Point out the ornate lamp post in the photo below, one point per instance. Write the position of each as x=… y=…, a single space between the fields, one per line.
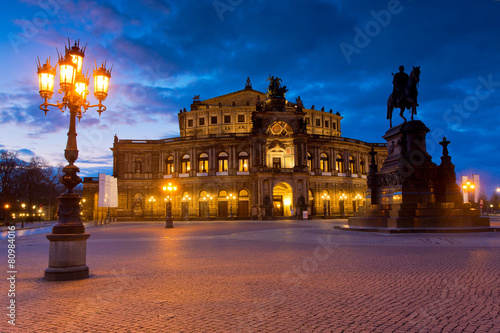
x=343 y=198
x=68 y=241
x=230 y=198
x=169 y=189
x=23 y=206
x=325 y=198
x=6 y=207
x=468 y=187
x=152 y=200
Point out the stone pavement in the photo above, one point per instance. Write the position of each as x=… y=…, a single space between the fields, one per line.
x=253 y=276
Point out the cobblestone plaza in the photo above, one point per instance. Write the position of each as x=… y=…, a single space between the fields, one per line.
x=255 y=276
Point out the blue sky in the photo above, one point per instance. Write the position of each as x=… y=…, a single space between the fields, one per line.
x=331 y=53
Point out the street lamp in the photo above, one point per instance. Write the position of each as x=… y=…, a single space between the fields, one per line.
x=358 y=198
x=207 y=200
x=186 y=199
x=169 y=189
x=152 y=200
x=468 y=187
x=68 y=241
x=325 y=197
x=23 y=206
x=6 y=207
x=231 y=197
x=343 y=197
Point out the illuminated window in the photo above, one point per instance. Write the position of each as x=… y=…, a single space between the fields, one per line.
x=243 y=161
x=362 y=166
x=323 y=162
x=222 y=159
x=352 y=165
x=339 y=163
x=185 y=164
x=203 y=163
x=309 y=160
x=169 y=165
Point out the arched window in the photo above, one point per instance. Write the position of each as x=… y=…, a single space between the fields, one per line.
x=222 y=160
x=362 y=165
x=169 y=165
x=352 y=165
x=203 y=162
x=243 y=161
x=323 y=162
x=243 y=194
x=339 y=163
x=138 y=165
x=309 y=161
x=185 y=164
x=222 y=194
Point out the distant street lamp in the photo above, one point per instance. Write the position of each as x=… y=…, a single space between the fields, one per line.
x=68 y=241
x=152 y=200
x=358 y=198
x=231 y=197
x=186 y=199
x=325 y=197
x=343 y=198
x=23 y=206
x=169 y=189
x=6 y=207
x=207 y=200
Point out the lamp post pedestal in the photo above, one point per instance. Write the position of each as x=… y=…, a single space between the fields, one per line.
x=169 y=221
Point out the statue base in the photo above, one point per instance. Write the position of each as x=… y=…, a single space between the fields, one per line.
x=410 y=193
x=67 y=257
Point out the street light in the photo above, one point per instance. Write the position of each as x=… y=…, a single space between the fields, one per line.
x=6 y=207
x=152 y=200
x=343 y=197
x=231 y=197
x=468 y=187
x=169 y=189
x=186 y=199
x=23 y=206
x=358 y=198
x=68 y=241
x=325 y=197
x=207 y=200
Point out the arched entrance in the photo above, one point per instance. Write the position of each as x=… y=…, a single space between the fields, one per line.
x=282 y=200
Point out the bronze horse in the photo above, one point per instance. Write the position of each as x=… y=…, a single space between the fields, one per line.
x=410 y=102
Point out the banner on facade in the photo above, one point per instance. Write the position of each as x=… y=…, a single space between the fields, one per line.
x=108 y=191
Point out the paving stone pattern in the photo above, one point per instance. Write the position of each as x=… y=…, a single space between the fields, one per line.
x=280 y=276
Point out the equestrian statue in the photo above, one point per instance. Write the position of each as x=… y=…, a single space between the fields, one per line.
x=404 y=93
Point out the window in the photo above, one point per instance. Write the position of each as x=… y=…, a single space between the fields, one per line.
x=362 y=165
x=276 y=162
x=326 y=124
x=352 y=165
x=185 y=164
x=201 y=121
x=308 y=121
x=241 y=118
x=203 y=163
x=190 y=122
x=227 y=119
x=339 y=164
x=323 y=162
x=213 y=120
x=309 y=161
x=318 y=122
x=334 y=125
x=243 y=161
x=222 y=159
x=169 y=165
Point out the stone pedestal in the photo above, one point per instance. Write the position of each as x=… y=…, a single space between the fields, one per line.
x=410 y=191
x=67 y=257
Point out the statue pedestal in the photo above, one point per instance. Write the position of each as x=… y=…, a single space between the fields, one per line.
x=411 y=193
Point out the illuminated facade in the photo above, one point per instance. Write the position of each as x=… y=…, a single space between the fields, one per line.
x=242 y=155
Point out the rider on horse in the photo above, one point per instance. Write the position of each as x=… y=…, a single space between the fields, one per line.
x=398 y=93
